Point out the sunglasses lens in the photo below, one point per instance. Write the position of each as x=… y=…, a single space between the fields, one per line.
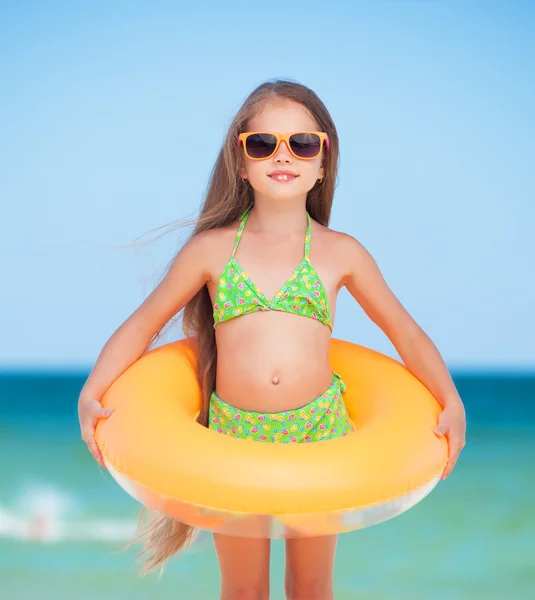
x=305 y=145
x=260 y=145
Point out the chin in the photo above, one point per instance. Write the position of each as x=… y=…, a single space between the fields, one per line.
x=283 y=191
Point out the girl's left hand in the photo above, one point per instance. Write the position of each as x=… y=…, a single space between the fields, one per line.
x=452 y=423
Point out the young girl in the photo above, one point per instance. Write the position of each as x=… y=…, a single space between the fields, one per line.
x=258 y=281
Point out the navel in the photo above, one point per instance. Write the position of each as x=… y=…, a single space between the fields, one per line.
x=275 y=379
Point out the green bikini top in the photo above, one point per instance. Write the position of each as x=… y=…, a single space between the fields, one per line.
x=302 y=294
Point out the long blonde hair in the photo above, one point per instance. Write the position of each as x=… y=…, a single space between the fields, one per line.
x=226 y=199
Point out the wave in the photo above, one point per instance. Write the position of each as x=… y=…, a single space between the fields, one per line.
x=42 y=528
x=45 y=513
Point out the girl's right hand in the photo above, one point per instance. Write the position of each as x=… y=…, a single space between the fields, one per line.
x=89 y=412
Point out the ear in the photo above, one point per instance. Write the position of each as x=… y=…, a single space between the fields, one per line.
x=243 y=173
x=321 y=173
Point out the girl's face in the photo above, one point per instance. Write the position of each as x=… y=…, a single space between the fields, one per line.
x=283 y=117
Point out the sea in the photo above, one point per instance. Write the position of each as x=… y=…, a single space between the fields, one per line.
x=64 y=521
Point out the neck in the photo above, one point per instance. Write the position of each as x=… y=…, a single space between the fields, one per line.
x=281 y=217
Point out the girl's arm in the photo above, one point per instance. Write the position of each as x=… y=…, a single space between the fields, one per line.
x=366 y=284
x=186 y=276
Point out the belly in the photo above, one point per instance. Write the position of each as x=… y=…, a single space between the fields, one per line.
x=272 y=361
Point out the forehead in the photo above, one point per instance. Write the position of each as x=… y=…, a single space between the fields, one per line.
x=283 y=117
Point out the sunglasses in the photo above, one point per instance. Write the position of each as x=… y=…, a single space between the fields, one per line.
x=306 y=145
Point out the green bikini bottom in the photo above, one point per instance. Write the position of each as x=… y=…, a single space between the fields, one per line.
x=323 y=418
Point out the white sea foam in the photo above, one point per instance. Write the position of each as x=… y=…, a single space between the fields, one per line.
x=44 y=513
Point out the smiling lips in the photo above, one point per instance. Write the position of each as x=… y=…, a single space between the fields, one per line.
x=283 y=177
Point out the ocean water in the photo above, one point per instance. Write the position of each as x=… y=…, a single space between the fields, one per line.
x=63 y=520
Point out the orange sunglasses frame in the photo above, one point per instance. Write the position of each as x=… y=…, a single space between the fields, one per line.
x=284 y=137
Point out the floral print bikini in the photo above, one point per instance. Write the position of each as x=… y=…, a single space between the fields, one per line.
x=303 y=294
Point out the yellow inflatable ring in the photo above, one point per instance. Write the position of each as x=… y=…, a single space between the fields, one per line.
x=161 y=456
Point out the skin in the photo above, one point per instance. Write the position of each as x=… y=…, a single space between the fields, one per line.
x=290 y=366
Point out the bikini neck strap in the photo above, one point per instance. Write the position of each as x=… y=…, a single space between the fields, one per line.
x=308 y=237
x=241 y=227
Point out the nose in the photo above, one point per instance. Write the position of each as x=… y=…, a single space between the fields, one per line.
x=283 y=152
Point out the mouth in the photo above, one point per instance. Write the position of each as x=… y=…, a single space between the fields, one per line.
x=283 y=178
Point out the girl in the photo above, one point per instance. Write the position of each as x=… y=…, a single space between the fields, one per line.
x=258 y=281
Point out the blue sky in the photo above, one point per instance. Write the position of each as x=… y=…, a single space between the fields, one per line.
x=113 y=115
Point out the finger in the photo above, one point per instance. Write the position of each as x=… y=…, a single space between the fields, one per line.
x=88 y=432
x=102 y=413
x=449 y=468
x=456 y=444
x=97 y=455
x=93 y=448
x=442 y=429
x=99 y=460
x=455 y=450
x=442 y=424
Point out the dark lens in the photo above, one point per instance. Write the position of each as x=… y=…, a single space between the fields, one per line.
x=260 y=145
x=305 y=145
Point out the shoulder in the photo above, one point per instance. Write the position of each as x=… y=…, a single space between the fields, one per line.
x=213 y=247
x=214 y=240
x=342 y=247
